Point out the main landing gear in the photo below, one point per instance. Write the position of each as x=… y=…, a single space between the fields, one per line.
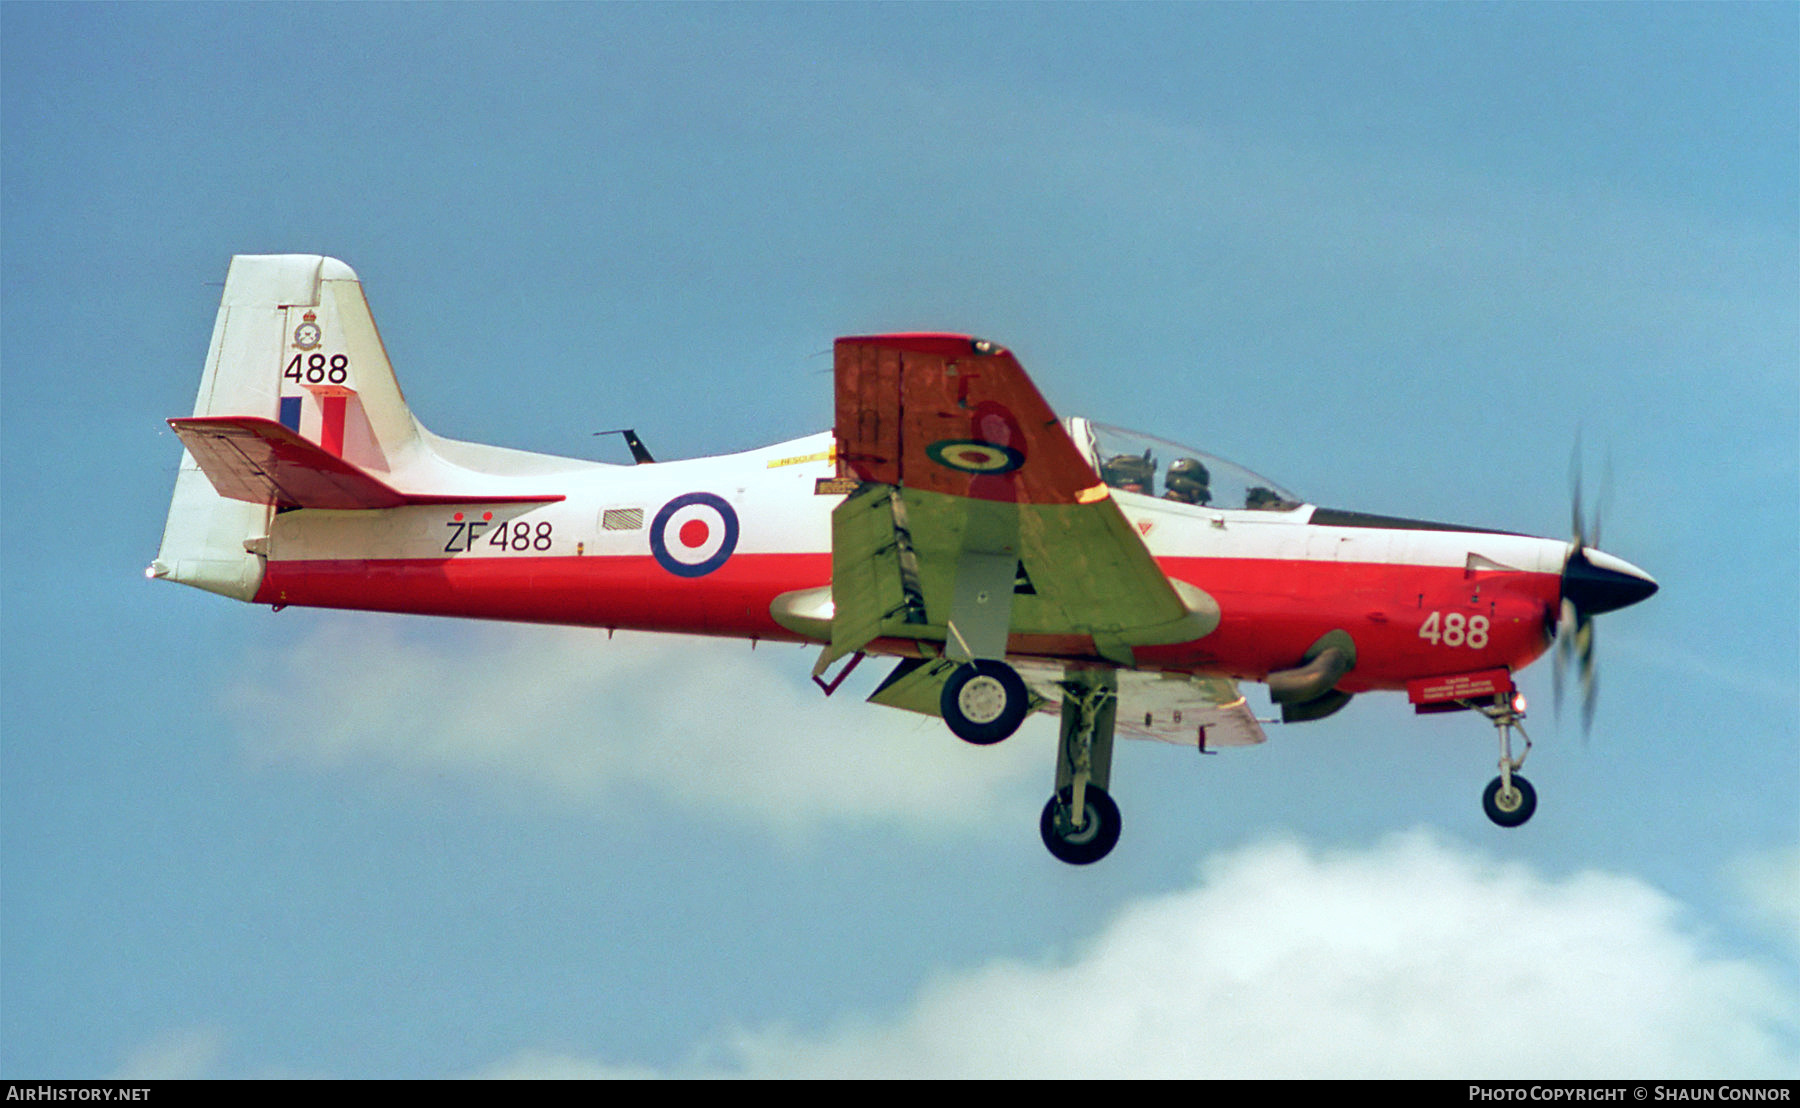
x=1081 y=823
x=1087 y=840
x=985 y=701
x=1509 y=800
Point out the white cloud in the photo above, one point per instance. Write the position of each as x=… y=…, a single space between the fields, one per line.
x=179 y=1054
x=1415 y=958
x=1769 y=884
x=594 y=722
x=541 y=1065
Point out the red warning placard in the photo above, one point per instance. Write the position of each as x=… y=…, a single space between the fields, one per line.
x=1460 y=686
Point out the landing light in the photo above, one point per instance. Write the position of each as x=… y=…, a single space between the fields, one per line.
x=1518 y=703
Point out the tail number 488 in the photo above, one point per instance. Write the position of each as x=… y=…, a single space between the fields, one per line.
x=1455 y=629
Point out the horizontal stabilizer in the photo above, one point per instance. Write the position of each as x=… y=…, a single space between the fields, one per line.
x=263 y=462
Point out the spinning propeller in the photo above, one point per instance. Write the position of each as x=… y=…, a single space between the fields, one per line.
x=1593 y=582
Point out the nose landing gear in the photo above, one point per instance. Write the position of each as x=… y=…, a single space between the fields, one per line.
x=1509 y=800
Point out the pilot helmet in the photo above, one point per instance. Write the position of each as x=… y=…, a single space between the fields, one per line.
x=1127 y=470
x=1263 y=498
x=1188 y=481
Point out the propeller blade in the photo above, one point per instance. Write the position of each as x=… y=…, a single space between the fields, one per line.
x=1575 y=645
x=1576 y=527
x=1593 y=582
x=1565 y=650
x=1577 y=521
x=1583 y=526
x=1590 y=673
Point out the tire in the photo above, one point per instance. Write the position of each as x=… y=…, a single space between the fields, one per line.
x=1509 y=811
x=1098 y=834
x=984 y=702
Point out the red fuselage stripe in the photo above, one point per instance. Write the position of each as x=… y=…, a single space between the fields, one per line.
x=1273 y=610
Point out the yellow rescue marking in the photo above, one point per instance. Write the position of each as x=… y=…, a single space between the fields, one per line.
x=822 y=456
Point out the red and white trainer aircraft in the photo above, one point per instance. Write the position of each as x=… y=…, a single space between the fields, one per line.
x=1011 y=560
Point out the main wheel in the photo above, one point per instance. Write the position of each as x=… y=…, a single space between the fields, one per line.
x=1509 y=809
x=1094 y=839
x=984 y=702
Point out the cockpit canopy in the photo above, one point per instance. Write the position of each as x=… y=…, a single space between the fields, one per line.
x=1140 y=463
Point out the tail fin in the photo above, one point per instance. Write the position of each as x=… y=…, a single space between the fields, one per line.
x=294 y=344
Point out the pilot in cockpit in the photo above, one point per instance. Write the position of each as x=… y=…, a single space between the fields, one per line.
x=1131 y=472
x=1188 y=482
x=1261 y=499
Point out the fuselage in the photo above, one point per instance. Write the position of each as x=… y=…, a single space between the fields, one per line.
x=707 y=546
x=1016 y=561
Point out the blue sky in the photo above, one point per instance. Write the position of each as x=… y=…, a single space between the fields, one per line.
x=1399 y=257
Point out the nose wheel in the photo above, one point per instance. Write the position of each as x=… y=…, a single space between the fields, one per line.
x=1509 y=804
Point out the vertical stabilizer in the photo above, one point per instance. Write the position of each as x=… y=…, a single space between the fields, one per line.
x=294 y=342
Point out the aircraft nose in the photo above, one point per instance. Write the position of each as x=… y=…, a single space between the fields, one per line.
x=1595 y=581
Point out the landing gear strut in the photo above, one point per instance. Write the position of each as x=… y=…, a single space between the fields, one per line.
x=1509 y=800
x=1081 y=823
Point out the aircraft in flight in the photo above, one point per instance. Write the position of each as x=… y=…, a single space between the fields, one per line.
x=1010 y=560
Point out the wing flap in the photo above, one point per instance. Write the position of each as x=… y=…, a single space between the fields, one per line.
x=264 y=462
x=869 y=583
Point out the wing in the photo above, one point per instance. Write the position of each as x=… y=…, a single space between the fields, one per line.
x=978 y=521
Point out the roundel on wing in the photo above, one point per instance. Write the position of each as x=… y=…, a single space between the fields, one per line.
x=693 y=534
x=975 y=456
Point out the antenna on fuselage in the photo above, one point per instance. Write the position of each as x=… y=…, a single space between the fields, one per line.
x=639 y=453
